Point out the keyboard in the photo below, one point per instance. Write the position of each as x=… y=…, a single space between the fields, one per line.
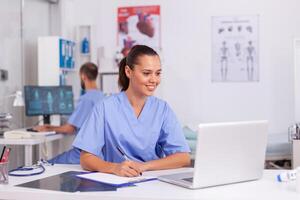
x=188 y=179
x=31 y=130
x=23 y=133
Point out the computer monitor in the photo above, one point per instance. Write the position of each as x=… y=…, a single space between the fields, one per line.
x=48 y=100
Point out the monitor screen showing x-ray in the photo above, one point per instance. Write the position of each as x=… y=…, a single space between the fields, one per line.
x=48 y=100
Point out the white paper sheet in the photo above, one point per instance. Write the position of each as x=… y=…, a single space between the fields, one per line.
x=114 y=179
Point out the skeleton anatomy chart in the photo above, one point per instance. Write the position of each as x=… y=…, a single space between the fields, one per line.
x=235 y=48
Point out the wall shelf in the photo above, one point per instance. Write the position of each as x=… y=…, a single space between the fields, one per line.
x=85 y=32
x=85 y=54
x=67 y=70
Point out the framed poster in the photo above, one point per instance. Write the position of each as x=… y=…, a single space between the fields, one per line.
x=138 y=25
x=235 y=48
x=109 y=82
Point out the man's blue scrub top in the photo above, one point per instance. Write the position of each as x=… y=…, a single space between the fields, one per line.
x=85 y=104
x=155 y=133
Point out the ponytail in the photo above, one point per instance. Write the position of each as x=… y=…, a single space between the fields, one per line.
x=123 y=79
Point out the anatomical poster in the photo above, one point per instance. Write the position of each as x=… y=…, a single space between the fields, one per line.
x=138 y=25
x=235 y=49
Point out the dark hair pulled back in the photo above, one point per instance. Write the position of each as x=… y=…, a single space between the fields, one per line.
x=131 y=60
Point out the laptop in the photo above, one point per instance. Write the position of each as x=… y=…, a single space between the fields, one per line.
x=226 y=153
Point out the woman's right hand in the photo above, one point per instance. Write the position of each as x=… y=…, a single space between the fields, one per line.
x=126 y=168
x=42 y=128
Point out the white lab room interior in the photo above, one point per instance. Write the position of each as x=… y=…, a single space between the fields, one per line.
x=228 y=76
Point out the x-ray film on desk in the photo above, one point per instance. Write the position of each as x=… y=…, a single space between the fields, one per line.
x=68 y=182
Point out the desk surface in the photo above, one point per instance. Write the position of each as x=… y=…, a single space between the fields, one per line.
x=266 y=188
x=29 y=142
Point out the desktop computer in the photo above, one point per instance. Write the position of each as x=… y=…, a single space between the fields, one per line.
x=48 y=100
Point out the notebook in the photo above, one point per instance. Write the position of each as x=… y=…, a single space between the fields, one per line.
x=115 y=180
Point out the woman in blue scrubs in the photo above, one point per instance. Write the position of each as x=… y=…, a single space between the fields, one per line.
x=133 y=131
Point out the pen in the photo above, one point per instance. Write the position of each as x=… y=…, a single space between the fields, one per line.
x=5 y=155
x=297 y=132
x=2 y=153
x=122 y=153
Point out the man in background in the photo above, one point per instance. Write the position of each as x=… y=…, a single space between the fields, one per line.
x=88 y=75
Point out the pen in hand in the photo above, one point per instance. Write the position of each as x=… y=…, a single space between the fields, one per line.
x=124 y=155
x=5 y=155
x=2 y=153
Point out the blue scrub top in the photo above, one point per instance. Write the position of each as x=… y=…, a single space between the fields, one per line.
x=85 y=104
x=84 y=107
x=154 y=134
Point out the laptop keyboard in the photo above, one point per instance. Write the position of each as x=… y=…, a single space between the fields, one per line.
x=188 y=179
x=31 y=130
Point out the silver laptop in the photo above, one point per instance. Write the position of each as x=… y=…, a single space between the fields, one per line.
x=226 y=153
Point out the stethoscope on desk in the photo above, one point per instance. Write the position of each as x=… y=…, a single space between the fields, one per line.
x=29 y=170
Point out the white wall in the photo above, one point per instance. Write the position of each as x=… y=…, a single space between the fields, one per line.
x=10 y=55
x=186 y=44
x=10 y=60
x=20 y=24
x=36 y=17
x=36 y=23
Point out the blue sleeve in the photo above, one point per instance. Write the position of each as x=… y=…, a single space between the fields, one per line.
x=81 y=113
x=172 y=138
x=91 y=135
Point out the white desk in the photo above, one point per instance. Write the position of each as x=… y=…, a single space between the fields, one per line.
x=266 y=188
x=29 y=143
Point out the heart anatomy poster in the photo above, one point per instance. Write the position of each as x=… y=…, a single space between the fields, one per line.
x=138 y=25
